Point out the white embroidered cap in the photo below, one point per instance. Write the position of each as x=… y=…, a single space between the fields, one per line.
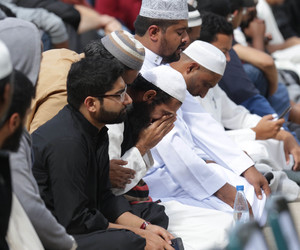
x=5 y=61
x=168 y=80
x=165 y=9
x=207 y=55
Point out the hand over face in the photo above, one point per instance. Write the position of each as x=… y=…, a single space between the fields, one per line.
x=153 y=134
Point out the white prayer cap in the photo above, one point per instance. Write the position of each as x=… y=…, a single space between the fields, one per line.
x=5 y=61
x=165 y=9
x=168 y=80
x=207 y=55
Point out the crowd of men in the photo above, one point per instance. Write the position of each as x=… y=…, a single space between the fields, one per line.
x=141 y=138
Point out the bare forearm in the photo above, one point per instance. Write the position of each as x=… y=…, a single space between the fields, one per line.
x=226 y=194
x=130 y=220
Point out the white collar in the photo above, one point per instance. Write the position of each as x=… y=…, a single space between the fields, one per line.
x=152 y=57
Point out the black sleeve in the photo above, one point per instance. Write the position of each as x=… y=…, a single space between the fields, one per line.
x=235 y=81
x=65 y=11
x=63 y=167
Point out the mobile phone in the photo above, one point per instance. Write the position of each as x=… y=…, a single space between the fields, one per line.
x=285 y=112
x=177 y=244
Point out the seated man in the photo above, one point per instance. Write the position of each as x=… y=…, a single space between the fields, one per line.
x=251 y=132
x=71 y=162
x=153 y=109
x=186 y=153
x=210 y=34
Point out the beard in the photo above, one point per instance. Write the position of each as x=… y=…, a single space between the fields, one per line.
x=109 y=117
x=12 y=142
x=173 y=57
x=139 y=118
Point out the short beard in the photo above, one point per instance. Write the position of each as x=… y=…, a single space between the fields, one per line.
x=12 y=142
x=108 y=117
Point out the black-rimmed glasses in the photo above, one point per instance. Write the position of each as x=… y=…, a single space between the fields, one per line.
x=120 y=96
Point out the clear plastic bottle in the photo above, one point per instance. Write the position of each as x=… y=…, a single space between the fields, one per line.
x=240 y=208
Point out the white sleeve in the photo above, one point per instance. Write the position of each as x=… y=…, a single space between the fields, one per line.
x=210 y=136
x=133 y=156
x=187 y=169
x=235 y=116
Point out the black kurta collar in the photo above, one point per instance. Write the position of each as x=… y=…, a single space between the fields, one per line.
x=87 y=127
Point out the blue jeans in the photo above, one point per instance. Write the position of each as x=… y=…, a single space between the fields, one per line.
x=279 y=100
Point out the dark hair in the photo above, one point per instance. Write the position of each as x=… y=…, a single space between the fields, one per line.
x=142 y=24
x=3 y=82
x=220 y=7
x=236 y=5
x=96 y=48
x=212 y=25
x=140 y=84
x=91 y=76
x=23 y=92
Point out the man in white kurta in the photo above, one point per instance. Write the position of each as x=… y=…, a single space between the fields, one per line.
x=267 y=154
x=180 y=172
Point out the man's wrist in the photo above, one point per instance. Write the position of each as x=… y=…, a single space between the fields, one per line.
x=144 y=225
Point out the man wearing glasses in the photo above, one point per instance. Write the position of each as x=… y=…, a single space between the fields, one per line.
x=72 y=165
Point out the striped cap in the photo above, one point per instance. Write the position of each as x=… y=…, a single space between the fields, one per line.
x=194 y=17
x=123 y=46
x=5 y=61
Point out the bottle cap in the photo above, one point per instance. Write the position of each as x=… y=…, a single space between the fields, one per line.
x=240 y=188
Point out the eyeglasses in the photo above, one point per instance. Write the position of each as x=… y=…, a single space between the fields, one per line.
x=120 y=96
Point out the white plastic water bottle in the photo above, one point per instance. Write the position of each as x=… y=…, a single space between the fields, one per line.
x=240 y=208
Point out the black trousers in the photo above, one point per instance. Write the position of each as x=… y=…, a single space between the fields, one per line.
x=114 y=239
x=111 y=239
x=152 y=212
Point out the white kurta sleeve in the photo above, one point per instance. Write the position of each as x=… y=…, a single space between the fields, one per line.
x=210 y=136
x=132 y=156
x=186 y=168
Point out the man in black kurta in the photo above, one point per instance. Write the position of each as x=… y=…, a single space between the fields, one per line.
x=71 y=162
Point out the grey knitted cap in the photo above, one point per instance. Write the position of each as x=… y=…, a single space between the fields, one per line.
x=123 y=46
x=165 y=9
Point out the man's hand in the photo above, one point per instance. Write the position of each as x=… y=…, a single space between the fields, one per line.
x=120 y=176
x=154 y=235
x=267 y=128
x=290 y=147
x=160 y=232
x=227 y=194
x=258 y=181
x=154 y=241
x=153 y=134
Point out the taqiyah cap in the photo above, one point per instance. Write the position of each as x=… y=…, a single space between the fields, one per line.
x=207 y=55
x=165 y=9
x=5 y=61
x=194 y=17
x=168 y=80
x=123 y=46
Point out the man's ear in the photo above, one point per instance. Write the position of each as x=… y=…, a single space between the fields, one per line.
x=191 y=67
x=14 y=122
x=90 y=104
x=149 y=95
x=153 y=32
